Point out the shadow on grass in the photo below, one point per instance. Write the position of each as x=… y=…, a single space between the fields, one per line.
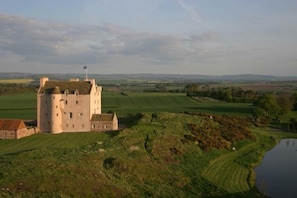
x=20 y=152
x=131 y=119
x=112 y=133
x=126 y=122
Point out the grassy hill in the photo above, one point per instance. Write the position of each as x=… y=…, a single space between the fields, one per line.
x=152 y=158
x=176 y=147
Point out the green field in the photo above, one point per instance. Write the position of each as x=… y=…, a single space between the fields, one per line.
x=16 y=81
x=151 y=158
x=23 y=106
x=133 y=102
x=19 y=106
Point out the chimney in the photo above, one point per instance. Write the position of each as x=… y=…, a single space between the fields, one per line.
x=43 y=81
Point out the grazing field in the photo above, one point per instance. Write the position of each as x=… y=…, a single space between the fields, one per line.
x=16 y=81
x=134 y=102
x=19 y=106
x=23 y=106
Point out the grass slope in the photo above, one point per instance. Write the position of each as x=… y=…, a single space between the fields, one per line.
x=150 y=159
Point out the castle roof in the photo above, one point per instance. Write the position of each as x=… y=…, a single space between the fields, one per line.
x=102 y=117
x=12 y=124
x=62 y=87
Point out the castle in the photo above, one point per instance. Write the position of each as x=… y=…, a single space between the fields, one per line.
x=72 y=106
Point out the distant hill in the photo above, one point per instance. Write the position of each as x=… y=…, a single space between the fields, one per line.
x=159 y=77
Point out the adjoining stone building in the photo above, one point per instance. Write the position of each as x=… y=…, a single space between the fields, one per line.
x=72 y=106
x=15 y=129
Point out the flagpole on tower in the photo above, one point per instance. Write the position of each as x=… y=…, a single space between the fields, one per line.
x=86 y=69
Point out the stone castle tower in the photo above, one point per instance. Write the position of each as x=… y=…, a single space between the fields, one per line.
x=71 y=106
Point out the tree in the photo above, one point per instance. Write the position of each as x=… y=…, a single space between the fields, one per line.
x=293 y=121
x=268 y=103
x=285 y=103
x=294 y=100
x=191 y=89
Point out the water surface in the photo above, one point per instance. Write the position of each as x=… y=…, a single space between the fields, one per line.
x=277 y=174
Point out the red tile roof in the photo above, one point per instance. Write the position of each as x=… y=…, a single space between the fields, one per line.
x=12 y=124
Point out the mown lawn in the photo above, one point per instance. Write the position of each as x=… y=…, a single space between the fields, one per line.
x=42 y=140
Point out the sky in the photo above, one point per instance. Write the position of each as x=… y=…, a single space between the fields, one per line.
x=207 y=37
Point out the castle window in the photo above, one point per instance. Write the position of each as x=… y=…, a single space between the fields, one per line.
x=66 y=125
x=76 y=102
x=57 y=114
x=56 y=106
x=66 y=102
x=83 y=126
x=80 y=114
x=73 y=126
x=70 y=115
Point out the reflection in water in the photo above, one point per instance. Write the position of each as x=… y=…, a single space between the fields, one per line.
x=276 y=175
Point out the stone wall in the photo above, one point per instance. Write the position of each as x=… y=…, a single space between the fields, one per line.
x=27 y=132
x=102 y=126
x=13 y=134
x=7 y=134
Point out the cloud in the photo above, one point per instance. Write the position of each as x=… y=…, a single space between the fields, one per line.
x=59 y=43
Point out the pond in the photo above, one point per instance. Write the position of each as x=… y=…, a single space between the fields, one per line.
x=275 y=176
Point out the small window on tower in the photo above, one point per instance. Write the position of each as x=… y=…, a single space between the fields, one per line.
x=76 y=102
x=70 y=115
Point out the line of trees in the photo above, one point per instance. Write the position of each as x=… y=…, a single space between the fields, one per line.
x=228 y=94
x=268 y=104
x=16 y=88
